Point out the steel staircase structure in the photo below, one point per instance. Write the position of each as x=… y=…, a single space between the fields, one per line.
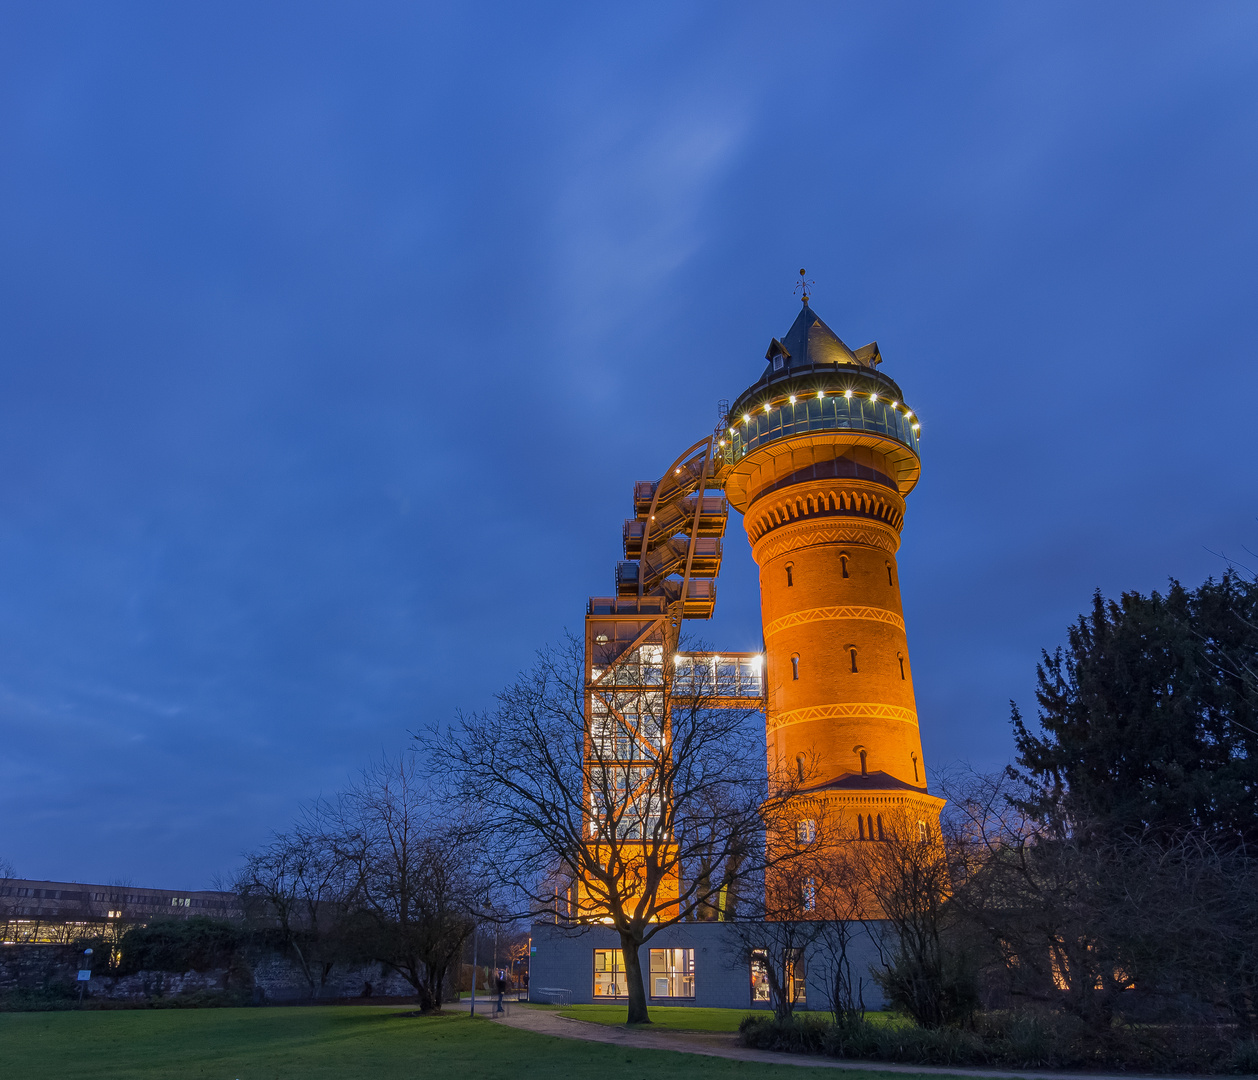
x=634 y=675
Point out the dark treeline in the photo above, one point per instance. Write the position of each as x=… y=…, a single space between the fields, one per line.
x=1098 y=902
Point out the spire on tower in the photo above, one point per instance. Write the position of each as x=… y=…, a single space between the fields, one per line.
x=802 y=286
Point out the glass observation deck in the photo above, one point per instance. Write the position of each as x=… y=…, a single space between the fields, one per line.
x=805 y=412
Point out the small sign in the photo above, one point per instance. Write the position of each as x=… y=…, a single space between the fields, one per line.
x=84 y=976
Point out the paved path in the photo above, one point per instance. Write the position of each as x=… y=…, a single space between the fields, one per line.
x=725 y=1045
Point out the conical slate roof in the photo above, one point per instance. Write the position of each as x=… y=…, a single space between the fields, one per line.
x=810 y=341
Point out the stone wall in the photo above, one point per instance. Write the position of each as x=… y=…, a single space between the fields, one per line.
x=266 y=977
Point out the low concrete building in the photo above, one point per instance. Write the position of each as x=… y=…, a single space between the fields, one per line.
x=704 y=964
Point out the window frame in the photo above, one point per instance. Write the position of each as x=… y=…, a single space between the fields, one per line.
x=683 y=974
x=613 y=970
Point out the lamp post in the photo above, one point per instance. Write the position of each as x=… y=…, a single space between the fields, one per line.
x=473 y=1009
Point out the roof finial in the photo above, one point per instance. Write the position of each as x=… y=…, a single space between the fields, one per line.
x=802 y=286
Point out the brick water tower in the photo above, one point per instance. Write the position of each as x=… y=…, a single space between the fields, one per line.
x=823 y=452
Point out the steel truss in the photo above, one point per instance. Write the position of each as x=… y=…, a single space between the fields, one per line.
x=634 y=675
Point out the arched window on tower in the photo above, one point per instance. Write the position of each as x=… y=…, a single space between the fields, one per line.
x=916 y=779
x=852 y=650
x=864 y=762
x=900 y=656
x=795 y=667
x=843 y=562
x=790 y=574
x=799 y=765
x=890 y=579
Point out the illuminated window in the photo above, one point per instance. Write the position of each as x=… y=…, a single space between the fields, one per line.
x=806 y=831
x=793 y=980
x=790 y=574
x=843 y=561
x=609 y=973
x=795 y=665
x=810 y=894
x=923 y=834
x=852 y=650
x=759 y=977
x=673 y=973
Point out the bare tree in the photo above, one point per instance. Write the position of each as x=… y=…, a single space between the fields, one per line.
x=654 y=814
x=1076 y=920
x=412 y=885
x=300 y=886
x=8 y=902
x=804 y=909
x=904 y=877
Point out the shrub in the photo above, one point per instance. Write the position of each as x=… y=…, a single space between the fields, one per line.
x=1244 y=1057
x=201 y=999
x=802 y=1033
x=39 y=999
x=1010 y=1040
x=179 y=945
x=905 y=1042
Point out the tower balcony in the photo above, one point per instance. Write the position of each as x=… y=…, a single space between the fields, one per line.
x=821 y=403
x=844 y=408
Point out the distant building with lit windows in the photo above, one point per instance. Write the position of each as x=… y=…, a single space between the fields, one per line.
x=62 y=912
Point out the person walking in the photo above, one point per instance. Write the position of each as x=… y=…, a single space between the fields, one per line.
x=502 y=989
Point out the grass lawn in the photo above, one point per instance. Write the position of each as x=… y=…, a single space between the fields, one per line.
x=326 y=1043
x=682 y=1018
x=672 y=1017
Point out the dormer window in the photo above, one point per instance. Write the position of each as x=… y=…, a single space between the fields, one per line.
x=777 y=355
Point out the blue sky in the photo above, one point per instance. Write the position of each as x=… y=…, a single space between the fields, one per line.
x=333 y=337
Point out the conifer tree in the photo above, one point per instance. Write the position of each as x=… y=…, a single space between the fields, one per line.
x=1149 y=717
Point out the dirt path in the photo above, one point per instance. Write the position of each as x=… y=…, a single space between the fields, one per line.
x=725 y=1045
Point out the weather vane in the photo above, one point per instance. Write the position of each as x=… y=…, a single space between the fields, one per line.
x=802 y=286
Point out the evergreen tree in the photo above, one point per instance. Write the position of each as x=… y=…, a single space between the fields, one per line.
x=1149 y=718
